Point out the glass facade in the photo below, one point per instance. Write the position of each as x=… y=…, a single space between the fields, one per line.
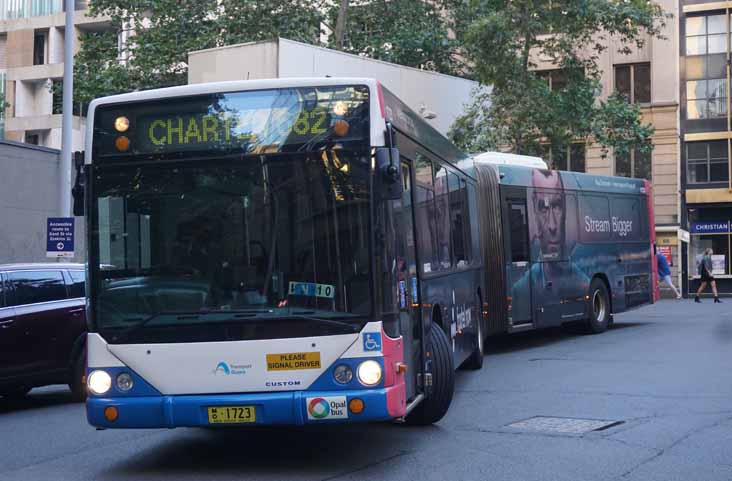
x=710 y=228
x=706 y=76
x=16 y=9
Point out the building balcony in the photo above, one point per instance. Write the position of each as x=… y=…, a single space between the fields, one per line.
x=41 y=122
x=36 y=72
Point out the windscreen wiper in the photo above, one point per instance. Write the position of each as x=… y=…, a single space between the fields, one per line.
x=194 y=315
x=324 y=320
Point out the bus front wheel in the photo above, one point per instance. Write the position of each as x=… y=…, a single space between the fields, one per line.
x=599 y=307
x=434 y=407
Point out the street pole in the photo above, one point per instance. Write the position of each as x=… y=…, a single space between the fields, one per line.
x=66 y=137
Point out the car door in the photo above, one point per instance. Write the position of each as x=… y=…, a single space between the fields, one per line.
x=11 y=351
x=40 y=304
x=74 y=316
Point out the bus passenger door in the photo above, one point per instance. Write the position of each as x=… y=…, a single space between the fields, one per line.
x=407 y=283
x=518 y=275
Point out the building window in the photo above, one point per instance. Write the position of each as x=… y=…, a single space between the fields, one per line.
x=39 y=48
x=570 y=158
x=707 y=162
x=706 y=72
x=634 y=82
x=634 y=164
x=31 y=139
x=557 y=78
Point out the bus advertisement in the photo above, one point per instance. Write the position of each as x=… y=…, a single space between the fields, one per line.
x=306 y=251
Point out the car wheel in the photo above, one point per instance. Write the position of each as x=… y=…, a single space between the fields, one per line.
x=433 y=408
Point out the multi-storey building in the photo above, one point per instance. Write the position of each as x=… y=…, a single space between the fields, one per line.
x=706 y=134
x=31 y=61
x=648 y=76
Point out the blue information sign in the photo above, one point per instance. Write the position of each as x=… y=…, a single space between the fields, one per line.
x=60 y=237
x=710 y=227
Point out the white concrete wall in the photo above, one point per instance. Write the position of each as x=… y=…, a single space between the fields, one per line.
x=442 y=94
x=237 y=62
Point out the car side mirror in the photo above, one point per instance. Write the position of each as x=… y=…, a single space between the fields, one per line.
x=388 y=175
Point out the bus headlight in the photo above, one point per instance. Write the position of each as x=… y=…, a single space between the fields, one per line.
x=369 y=373
x=124 y=382
x=343 y=374
x=99 y=382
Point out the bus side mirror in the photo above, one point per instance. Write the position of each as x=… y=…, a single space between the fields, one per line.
x=77 y=192
x=388 y=176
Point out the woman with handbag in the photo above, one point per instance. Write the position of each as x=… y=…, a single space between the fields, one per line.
x=705 y=271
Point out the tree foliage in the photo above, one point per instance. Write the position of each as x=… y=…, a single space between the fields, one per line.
x=163 y=32
x=407 y=32
x=507 y=41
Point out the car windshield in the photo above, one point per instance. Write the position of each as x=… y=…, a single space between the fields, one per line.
x=262 y=237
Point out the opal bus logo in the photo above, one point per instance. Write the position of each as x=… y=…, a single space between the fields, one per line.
x=319 y=408
x=223 y=368
x=332 y=407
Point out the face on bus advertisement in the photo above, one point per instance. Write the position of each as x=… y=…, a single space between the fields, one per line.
x=548 y=207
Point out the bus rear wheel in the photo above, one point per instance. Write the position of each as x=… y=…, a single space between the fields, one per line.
x=599 y=317
x=434 y=407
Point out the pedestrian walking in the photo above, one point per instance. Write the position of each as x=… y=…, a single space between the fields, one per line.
x=705 y=271
x=664 y=273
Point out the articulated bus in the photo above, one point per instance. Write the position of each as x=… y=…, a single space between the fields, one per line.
x=303 y=251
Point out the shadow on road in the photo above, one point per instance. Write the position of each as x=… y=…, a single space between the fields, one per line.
x=545 y=337
x=308 y=452
x=36 y=399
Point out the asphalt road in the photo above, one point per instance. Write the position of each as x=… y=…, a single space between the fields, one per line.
x=664 y=372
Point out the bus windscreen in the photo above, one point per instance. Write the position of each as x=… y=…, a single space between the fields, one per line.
x=252 y=122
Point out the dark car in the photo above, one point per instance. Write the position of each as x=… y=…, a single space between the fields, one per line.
x=42 y=327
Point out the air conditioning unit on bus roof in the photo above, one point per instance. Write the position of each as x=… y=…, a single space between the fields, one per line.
x=510 y=159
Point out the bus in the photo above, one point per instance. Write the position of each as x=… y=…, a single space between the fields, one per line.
x=262 y=252
x=562 y=246
x=308 y=251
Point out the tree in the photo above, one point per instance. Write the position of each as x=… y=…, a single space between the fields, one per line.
x=161 y=33
x=408 y=32
x=504 y=43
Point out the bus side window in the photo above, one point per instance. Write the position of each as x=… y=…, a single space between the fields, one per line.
x=458 y=225
x=519 y=231
x=442 y=217
x=424 y=210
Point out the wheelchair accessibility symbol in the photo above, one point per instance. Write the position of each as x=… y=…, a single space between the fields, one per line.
x=372 y=341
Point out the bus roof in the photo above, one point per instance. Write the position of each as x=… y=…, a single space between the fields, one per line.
x=511 y=159
x=230 y=86
x=523 y=176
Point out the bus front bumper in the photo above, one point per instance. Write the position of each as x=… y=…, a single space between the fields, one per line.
x=276 y=408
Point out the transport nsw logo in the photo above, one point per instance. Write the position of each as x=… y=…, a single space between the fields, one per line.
x=229 y=369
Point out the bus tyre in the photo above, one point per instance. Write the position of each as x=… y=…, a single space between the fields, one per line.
x=78 y=379
x=475 y=361
x=599 y=307
x=434 y=407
